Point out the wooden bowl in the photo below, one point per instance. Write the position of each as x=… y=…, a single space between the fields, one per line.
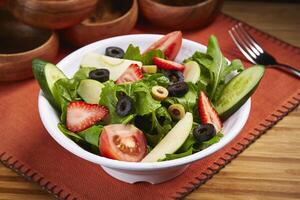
x=114 y=17
x=20 y=44
x=180 y=14
x=51 y=14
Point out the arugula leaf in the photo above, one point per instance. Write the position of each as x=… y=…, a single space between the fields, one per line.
x=210 y=142
x=156 y=79
x=178 y=155
x=83 y=73
x=92 y=134
x=161 y=125
x=214 y=69
x=134 y=53
x=87 y=139
x=68 y=133
x=189 y=100
x=147 y=58
x=188 y=143
x=109 y=99
x=138 y=91
x=64 y=91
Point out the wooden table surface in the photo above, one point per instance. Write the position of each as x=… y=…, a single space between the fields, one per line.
x=269 y=168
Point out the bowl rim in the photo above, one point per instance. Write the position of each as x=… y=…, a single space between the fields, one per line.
x=133 y=6
x=181 y=7
x=53 y=36
x=71 y=146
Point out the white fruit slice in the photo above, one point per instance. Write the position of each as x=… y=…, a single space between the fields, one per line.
x=191 y=72
x=116 y=66
x=173 y=140
x=89 y=90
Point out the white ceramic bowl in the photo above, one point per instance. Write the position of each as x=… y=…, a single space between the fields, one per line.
x=128 y=171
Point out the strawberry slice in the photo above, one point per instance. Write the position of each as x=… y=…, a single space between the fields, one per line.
x=81 y=115
x=167 y=64
x=133 y=73
x=207 y=113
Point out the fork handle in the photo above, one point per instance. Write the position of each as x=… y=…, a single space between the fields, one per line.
x=288 y=69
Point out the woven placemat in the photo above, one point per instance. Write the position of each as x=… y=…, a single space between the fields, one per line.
x=26 y=147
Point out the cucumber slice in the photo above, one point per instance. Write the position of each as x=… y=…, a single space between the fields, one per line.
x=116 y=66
x=173 y=140
x=238 y=90
x=191 y=72
x=89 y=90
x=47 y=74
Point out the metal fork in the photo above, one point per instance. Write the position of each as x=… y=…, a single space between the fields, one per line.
x=254 y=52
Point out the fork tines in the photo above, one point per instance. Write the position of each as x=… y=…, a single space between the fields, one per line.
x=245 y=42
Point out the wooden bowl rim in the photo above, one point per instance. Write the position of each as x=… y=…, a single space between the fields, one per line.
x=181 y=7
x=58 y=3
x=52 y=37
x=134 y=6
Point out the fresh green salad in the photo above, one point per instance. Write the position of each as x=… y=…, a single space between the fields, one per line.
x=145 y=107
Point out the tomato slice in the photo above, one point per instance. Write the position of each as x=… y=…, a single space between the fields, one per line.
x=170 y=44
x=123 y=142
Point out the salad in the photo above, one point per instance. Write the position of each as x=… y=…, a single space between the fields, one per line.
x=146 y=107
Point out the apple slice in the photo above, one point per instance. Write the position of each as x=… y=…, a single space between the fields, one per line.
x=170 y=44
x=116 y=66
x=191 y=72
x=89 y=90
x=172 y=141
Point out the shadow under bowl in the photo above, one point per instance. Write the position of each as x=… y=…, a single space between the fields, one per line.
x=111 y=18
x=20 y=43
x=179 y=14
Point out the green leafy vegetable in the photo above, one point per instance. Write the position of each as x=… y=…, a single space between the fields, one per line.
x=134 y=53
x=64 y=91
x=147 y=58
x=109 y=99
x=210 y=142
x=83 y=73
x=156 y=79
x=138 y=91
x=178 y=155
x=189 y=100
x=91 y=135
x=188 y=143
x=214 y=69
x=87 y=139
x=161 y=125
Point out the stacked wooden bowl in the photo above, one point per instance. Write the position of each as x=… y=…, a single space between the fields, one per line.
x=80 y=22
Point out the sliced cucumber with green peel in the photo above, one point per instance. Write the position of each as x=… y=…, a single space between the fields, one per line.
x=191 y=72
x=173 y=140
x=47 y=74
x=238 y=90
x=89 y=90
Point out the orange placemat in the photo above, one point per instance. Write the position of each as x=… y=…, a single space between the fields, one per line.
x=26 y=147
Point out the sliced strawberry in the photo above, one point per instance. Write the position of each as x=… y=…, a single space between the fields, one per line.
x=133 y=73
x=81 y=115
x=207 y=113
x=170 y=44
x=167 y=64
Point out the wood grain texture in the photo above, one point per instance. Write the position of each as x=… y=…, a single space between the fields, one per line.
x=179 y=18
x=269 y=169
x=108 y=22
x=18 y=48
x=51 y=14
